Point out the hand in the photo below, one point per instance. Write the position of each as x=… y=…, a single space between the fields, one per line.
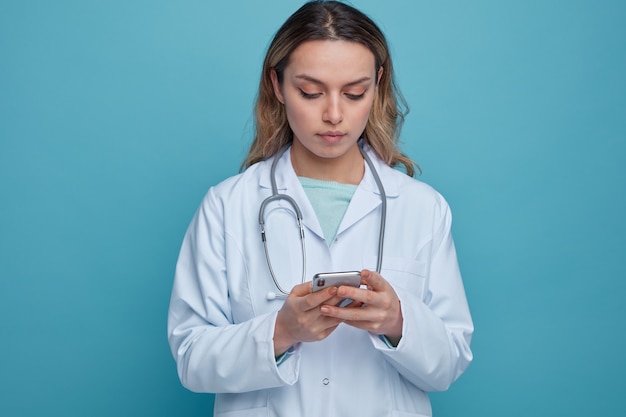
x=376 y=309
x=300 y=319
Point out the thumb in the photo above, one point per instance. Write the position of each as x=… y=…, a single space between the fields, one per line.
x=301 y=289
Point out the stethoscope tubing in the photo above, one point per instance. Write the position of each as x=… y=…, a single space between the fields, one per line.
x=298 y=213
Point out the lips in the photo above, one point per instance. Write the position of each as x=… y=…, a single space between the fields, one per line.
x=332 y=136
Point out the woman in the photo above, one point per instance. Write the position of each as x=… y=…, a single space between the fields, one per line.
x=327 y=123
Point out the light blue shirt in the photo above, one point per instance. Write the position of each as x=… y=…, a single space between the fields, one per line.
x=330 y=200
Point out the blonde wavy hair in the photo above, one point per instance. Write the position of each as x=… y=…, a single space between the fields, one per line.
x=329 y=20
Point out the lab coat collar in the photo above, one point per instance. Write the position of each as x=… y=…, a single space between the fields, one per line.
x=367 y=196
x=365 y=199
x=285 y=174
x=384 y=172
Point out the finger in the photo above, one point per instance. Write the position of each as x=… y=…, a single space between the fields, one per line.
x=353 y=312
x=301 y=290
x=359 y=294
x=304 y=289
x=337 y=300
x=373 y=280
x=313 y=300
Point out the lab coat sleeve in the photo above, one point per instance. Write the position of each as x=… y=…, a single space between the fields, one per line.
x=212 y=353
x=435 y=346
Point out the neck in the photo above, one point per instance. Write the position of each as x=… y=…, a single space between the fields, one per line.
x=348 y=168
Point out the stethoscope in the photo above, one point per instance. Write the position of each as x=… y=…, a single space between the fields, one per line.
x=276 y=197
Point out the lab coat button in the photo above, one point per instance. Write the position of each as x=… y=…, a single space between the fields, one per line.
x=325 y=381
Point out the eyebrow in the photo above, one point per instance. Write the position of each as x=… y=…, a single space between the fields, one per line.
x=316 y=81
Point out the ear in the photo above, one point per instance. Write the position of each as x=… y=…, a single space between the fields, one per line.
x=277 y=87
x=380 y=74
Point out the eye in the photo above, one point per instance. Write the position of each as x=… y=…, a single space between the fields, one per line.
x=355 y=97
x=308 y=96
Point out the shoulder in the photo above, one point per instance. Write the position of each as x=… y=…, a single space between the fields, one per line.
x=242 y=183
x=235 y=193
x=403 y=188
x=412 y=189
x=417 y=203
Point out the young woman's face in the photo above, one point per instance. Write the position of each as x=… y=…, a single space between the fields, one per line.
x=328 y=89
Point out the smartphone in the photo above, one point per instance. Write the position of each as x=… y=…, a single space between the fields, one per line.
x=329 y=279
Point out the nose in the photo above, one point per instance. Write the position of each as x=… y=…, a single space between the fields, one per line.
x=332 y=113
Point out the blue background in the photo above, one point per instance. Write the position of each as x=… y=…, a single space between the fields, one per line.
x=116 y=117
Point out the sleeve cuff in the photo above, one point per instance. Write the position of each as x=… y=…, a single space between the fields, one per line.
x=386 y=341
x=285 y=355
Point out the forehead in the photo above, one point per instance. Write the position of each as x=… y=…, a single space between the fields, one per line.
x=331 y=61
